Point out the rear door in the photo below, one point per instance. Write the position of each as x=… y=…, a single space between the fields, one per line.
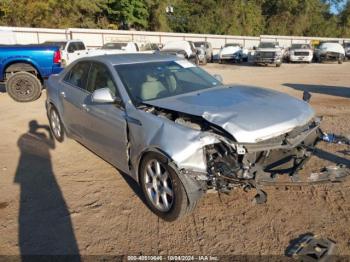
x=106 y=133
x=74 y=95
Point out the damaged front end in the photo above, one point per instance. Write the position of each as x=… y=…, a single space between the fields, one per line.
x=208 y=155
x=252 y=165
x=273 y=162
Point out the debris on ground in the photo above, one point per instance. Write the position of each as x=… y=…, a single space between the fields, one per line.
x=336 y=139
x=309 y=247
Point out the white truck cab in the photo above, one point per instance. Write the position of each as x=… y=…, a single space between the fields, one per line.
x=71 y=50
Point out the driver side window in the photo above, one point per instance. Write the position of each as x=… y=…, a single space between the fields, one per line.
x=100 y=77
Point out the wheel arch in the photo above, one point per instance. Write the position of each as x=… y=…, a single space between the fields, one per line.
x=17 y=65
x=193 y=189
x=152 y=150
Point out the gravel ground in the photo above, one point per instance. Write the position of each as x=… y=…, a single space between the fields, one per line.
x=62 y=199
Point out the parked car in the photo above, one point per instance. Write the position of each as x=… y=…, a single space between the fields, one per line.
x=233 y=52
x=202 y=58
x=300 y=53
x=177 y=130
x=71 y=50
x=330 y=51
x=207 y=48
x=347 y=49
x=24 y=68
x=268 y=53
x=151 y=47
x=185 y=49
x=116 y=48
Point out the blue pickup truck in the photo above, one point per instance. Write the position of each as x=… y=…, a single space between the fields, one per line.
x=24 y=68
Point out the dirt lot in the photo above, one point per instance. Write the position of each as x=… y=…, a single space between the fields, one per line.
x=62 y=199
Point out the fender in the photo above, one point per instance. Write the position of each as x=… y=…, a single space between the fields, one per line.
x=19 y=59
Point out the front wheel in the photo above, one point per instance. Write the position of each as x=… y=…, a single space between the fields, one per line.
x=162 y=188
x=23 y=87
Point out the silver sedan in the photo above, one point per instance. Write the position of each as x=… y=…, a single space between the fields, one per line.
x=177 y=130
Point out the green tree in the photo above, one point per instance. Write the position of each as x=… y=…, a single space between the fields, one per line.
x=128 y=13
x=345 y=20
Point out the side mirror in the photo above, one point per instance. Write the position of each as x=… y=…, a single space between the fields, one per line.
x=102 y=96
x=219 y=77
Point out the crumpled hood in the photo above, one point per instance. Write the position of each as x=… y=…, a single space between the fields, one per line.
x=249 y=114
x=230 y=50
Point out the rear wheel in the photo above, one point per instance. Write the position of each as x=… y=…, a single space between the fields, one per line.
x=23 y=87
x=56 y=124
x=162 y=188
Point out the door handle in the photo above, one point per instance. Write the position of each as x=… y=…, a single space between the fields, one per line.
x=63 y=94
x=85 y=107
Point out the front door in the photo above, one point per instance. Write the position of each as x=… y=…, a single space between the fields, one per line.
x=106 y=132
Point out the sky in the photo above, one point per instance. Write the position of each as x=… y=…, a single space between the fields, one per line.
x=334 y=9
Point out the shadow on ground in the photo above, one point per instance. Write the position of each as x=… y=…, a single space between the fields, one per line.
x=341 y=91
x=331 y=157
x=2 y=88
x=45 y=227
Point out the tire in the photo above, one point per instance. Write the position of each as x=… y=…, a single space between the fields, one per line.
x=56 y=125
x=178 y=204
x=340 y=60
x=23 y=87
x=278 y=64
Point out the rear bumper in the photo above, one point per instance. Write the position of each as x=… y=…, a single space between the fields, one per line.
x=56 y=69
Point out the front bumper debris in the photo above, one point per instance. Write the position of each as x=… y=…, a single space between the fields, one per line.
x=311 y=248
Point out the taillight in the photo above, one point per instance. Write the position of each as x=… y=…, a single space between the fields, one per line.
x=57 y=57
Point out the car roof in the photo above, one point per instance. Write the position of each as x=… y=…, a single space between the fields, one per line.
x=119 y=59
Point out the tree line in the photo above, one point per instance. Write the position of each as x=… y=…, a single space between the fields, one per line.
x=235 y=17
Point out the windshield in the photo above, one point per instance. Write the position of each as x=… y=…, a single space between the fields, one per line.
x=155 y=80
x=267 y=45
x=61 y=45
x=300 y=46
x=114 y=45
x=199 y=44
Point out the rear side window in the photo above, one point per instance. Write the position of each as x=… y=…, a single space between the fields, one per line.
x=80 y=46
x=72 y=48
x=78 y=75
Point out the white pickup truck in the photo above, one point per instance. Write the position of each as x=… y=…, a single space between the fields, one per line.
x=70 y=50
x=116 y=48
